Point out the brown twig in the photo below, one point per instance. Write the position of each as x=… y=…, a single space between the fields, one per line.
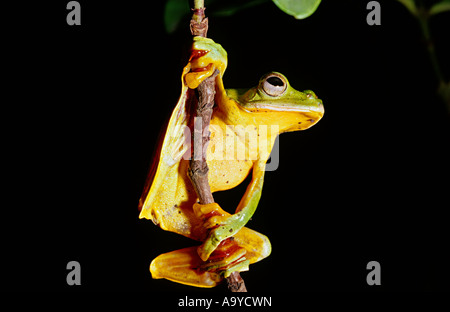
x=198 y=168
x=236 y=283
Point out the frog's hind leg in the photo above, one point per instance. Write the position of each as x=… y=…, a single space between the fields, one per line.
x=183 y=266
x=257 y=245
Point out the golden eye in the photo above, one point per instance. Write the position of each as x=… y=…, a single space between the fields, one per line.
x=273 y=84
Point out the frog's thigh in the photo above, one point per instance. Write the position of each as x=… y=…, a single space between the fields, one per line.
x=257 y=245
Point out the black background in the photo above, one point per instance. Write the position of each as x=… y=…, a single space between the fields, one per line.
x=368 y=182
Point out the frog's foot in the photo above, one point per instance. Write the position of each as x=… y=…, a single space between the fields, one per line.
x=185 y=266
x=219 y=225
x=227 y=258
x=206 y=57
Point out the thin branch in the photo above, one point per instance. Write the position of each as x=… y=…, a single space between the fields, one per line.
x=236 y=283
x=199 y=4
x=198 y=168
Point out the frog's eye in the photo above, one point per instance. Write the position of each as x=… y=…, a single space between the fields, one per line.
x=273 y=84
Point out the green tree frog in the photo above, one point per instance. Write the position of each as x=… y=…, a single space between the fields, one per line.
x=243 y=129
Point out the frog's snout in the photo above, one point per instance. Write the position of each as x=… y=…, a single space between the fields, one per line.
x=312 y=96
x=321 y=108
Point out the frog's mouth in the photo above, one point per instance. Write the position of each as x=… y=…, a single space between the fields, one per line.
x=312 y=104
x=314 y=107
x=301 y=116
x=307 y=116
x=280 y=107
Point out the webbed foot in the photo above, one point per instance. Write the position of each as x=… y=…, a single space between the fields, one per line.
x=185 y=266
x=219 y=225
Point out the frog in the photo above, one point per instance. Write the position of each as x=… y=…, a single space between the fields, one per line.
x=270 y=108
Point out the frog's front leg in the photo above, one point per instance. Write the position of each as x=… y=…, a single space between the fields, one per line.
x=206 y=57
x=223 y=225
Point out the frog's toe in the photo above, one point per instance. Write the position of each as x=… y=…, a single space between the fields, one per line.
x=207 y=211
x=195 y=78
x=209 y=245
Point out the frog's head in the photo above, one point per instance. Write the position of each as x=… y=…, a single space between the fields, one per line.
x=275 y=101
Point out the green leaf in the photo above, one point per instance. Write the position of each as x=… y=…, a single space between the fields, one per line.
x=174 y=12
x=440 y=7
x=298 y=8
x=410 y=5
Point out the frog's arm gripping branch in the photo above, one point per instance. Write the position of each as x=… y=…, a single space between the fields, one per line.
x=224 y=226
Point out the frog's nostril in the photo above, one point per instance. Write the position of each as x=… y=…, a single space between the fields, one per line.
x=310 y=94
